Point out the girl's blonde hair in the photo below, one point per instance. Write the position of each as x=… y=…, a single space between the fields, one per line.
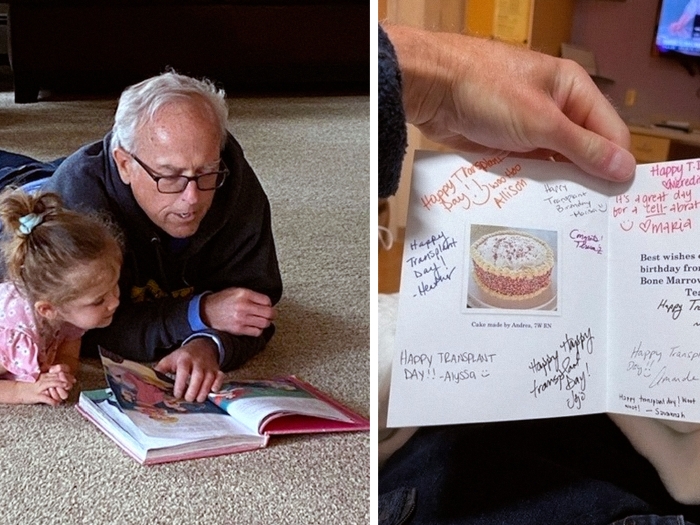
x=43 y=242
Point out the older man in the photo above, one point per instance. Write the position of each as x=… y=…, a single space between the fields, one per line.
x=200 y=276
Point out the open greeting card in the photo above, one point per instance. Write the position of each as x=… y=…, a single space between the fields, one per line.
x=530 y=289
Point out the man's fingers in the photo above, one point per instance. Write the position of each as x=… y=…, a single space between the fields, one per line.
x=218 y=381
x=251 y=321
x=258 y=298
x=201 y=384
x=595 y=154
x=182 y=377
x=256 y=316
x=587 y=107
x=166 y=365
x=197 y=382
x=195 y=366
x=205 y=387
x=589 y=132
x=266 y=313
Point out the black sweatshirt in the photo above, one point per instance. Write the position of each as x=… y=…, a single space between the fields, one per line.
x=392 y=120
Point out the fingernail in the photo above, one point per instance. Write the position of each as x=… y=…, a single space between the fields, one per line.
x=622 y=165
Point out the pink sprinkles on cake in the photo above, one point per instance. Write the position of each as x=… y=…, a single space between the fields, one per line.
x=512 y=265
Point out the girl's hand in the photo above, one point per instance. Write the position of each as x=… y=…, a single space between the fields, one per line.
x=62 y=368
x=50 y=389
x=62 y=374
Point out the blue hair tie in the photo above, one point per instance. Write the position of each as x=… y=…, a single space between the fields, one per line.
x=29 y=222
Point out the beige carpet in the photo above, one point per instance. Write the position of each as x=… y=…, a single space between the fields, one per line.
x=312 y=156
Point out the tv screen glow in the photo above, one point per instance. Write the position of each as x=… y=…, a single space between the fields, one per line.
x=679 y=27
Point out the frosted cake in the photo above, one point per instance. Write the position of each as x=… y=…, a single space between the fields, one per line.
x=512 y=265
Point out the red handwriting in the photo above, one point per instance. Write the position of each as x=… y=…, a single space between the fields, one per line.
x=458 y=190
x=679 y=225
x=678 y=175
x=509 y=192
x=659 y=212
x=678 y=168
x=462 y=189
x=667 y=171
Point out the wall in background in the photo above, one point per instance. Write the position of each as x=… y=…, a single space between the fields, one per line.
x=3 y=29
x=437 y=15
x=621 y=35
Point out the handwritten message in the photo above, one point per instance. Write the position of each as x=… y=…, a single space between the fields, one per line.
x=667 y=209
x=565 y=369
x=477 y=185
x=660 y=367
x=591 y=242
x=655 y=299
x=446 y=367
x=574 y=202
x=428 y=262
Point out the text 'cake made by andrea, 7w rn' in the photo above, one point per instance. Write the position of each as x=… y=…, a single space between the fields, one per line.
x=512 y=265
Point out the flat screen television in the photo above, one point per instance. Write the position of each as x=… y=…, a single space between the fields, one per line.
x=678 y=28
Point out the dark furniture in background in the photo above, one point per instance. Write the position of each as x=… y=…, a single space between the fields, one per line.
x=247 y=46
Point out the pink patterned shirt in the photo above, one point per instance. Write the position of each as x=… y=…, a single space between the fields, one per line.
x=23 y=351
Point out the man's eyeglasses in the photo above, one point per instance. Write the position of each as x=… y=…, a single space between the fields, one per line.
x=178 y=183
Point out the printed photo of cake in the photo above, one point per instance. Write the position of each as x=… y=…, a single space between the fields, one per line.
x=512 y=265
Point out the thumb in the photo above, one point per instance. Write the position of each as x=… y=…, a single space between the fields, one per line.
x=595 y=154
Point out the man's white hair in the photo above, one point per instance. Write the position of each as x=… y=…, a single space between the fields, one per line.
x=140 y=102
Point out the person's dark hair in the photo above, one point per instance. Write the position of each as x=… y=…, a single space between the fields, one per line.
x=44 y=243
x=140 y=102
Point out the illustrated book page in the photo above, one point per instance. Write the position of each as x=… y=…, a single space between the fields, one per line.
x=285 y=405
x=146 y=397
x=101 y=408
x=140 y=412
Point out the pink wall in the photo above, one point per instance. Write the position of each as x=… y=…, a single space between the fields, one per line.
x=621 y=34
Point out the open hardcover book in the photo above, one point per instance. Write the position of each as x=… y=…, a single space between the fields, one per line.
x=530 y=289
x=140 y=413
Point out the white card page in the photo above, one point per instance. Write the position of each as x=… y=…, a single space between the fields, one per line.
x=607 y=319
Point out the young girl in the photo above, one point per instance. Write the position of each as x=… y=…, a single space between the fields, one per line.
x=61 y=271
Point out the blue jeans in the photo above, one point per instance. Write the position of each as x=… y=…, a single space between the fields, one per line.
x=573 y=471
x=19 y=169
x=652 y=519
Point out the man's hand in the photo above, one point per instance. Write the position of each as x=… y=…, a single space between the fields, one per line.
x=238 y=311
x=465 y=91
x=196 y=369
